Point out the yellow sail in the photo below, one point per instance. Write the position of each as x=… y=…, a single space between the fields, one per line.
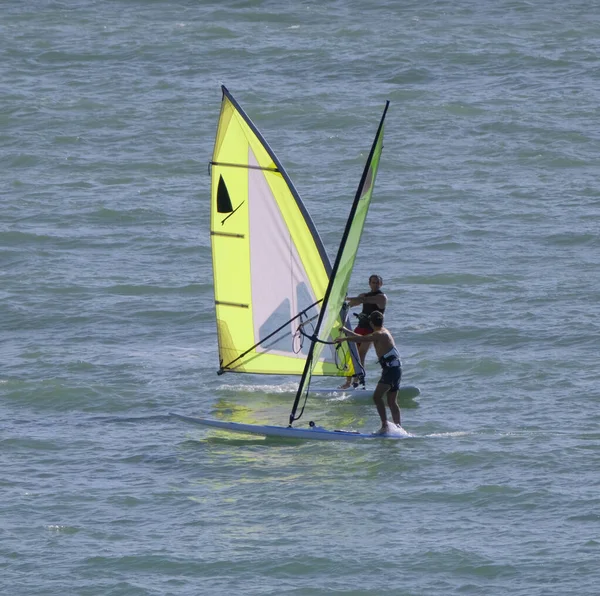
x=270 y=269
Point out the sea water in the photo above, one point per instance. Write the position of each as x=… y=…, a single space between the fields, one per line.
x=484 y=226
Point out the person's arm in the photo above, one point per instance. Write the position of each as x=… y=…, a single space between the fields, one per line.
x=351 y=336
x=349 y=332
x=380 y=300
x=354 y=300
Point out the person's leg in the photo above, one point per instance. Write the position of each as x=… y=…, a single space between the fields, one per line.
x=378 y=394
x=392 y=400
x=350 y=380
x=362 y=348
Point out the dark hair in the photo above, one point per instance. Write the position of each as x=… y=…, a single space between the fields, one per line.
x=376 y=318
x=378 y=277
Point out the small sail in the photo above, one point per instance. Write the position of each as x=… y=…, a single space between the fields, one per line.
x=270 y=268
x=328 y=324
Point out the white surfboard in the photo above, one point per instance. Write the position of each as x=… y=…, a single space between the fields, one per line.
x=405 y=392
x=315 y=433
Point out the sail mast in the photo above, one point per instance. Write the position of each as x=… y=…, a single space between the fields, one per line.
x=363 y=191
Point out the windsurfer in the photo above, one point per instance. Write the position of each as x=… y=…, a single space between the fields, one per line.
x=389 y=359
x=371 y=301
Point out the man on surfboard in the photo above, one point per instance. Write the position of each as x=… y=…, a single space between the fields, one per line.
x=389 y=359
x=371 y=301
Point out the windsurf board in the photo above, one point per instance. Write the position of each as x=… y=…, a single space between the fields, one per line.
x=315 y=433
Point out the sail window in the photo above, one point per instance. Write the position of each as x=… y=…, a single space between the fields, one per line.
x=277 y=318
x=223 y=199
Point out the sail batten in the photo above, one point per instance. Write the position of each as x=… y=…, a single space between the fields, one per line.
x=245 y=166
x=267 y=256
x=221 y=303
x=224 y=234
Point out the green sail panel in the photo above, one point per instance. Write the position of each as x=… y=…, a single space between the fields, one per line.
x=328 y=324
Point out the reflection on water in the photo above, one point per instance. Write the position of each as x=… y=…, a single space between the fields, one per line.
x=270 y=404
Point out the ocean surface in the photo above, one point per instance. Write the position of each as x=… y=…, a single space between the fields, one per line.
x=484 y=225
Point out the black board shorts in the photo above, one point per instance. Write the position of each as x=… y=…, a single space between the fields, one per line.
x=391 y=376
